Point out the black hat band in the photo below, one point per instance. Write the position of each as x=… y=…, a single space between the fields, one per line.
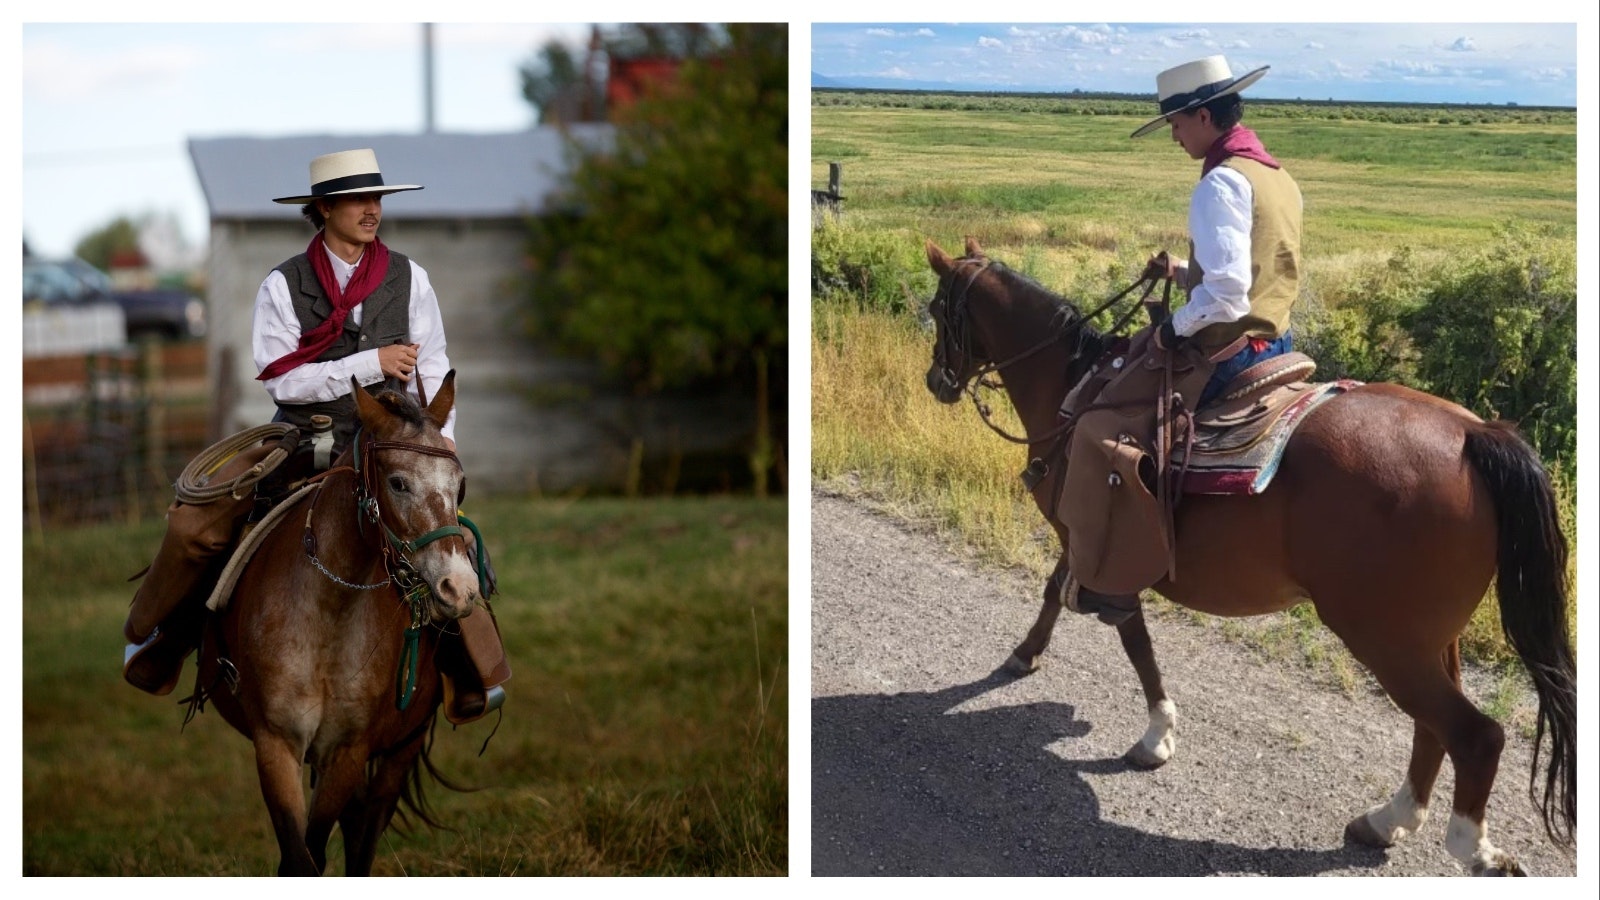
x=347 y=183
x=1198 y=95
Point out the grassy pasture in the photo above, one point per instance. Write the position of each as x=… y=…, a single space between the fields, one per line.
x=1078 y=183
x=1073 y=202
x=645 y=732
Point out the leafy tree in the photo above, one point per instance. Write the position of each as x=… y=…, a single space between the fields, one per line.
x=554 y=83
x=98 y=248
x=672 y=266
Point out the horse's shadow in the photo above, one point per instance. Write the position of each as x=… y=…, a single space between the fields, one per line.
x=907 y=784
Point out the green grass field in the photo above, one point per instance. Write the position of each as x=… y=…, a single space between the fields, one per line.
x=1066 y=197
x=645 y=731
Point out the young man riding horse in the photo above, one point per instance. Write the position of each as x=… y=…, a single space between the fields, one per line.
x=346 y=308
x=1243 y=271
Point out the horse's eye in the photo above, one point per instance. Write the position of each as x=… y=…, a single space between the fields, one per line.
x=461 y=495
x=397 y=484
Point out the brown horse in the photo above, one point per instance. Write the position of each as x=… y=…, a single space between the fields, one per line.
x=1391 y=511
x=325 y=653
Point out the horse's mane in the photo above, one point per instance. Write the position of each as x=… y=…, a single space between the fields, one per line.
x=1067 y=314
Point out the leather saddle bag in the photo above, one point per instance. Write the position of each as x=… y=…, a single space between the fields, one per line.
x=1113 y=501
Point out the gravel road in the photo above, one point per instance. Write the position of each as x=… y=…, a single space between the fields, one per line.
x=926 y=762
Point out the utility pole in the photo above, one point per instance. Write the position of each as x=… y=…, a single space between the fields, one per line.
x=427 y=77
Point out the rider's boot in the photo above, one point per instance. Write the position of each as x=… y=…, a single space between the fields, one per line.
x=473 y=667
x=163 y=624
x=1112 y=609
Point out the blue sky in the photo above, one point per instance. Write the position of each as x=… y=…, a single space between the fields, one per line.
x=106 y=109
x=1529 y=64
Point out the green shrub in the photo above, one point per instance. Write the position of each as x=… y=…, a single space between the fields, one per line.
x=1495 y=332
x=873 y=267
x=1357 y=330
x=1498 y=334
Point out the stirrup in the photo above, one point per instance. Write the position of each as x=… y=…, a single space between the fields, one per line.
x=493 y=699
x=138 y=658
x=1111 y=609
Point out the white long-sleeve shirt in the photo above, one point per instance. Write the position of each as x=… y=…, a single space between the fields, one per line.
x=1219 y=224
x=276 y=331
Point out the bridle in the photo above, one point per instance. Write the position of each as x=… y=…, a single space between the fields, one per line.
x=948 y=308
x=414 y=590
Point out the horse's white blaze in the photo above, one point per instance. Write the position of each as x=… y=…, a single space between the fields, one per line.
x=1401 y=816
x=1161 y=738
x=1468 y=842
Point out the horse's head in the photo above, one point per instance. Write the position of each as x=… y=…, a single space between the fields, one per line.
x=957 y=354
x=988 y=318
x=413 y=483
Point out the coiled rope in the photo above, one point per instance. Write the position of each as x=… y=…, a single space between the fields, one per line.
x=194 y=485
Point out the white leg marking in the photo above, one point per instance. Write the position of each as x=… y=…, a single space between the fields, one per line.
x=1469 y=843
x=1160 y=739
x=1400 y=817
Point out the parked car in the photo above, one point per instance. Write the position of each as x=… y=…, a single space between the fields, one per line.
x=163 y=312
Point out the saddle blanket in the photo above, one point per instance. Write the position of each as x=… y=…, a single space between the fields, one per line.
x=1220 y=466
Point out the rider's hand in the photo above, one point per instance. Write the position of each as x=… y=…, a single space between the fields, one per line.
x=398 y=360
x=1166 y=337
x=1160 y=266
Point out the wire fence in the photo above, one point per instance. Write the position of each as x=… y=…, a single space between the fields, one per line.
x=106 y=434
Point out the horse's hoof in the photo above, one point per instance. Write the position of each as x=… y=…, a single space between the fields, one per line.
x=1141 y=757
x=1360 y=831
x=1502 y=867
x=1016 y=666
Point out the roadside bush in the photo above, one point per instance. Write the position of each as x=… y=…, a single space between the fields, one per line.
x=1499 y=335
x=869 y=266
x=1356 y=329
x=1495 y=332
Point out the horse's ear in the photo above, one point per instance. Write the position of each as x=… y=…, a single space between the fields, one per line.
x=941 y=261
x=444 y=400
x=368 y=409
x=973 y=250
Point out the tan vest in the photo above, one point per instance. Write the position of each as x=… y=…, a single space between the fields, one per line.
x=1274 y=257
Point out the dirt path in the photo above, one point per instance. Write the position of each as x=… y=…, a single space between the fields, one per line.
x=925 y=762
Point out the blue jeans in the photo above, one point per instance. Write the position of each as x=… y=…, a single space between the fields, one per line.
x=1240 y=361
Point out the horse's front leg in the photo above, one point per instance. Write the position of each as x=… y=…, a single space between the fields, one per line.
x=1025 y=659
x=363 y=821
x=338 y=784
x=278 y=767
x=1160 y=739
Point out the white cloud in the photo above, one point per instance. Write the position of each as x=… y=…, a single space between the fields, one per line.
x=1410 y=67
x=991 y=43
x=881 y=32
x=1314 y=45
x=923 y=32
x=58 y=72
x=1464 y=45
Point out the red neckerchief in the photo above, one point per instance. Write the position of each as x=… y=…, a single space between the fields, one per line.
x=368 y=276
x=1238 y=141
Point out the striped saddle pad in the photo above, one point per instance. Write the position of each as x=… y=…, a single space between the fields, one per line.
x=1239 y=442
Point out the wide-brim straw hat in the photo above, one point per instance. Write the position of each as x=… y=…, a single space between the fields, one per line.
x=1192 y=84
x=346 y=172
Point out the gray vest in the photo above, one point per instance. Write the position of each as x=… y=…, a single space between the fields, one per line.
x=385 y=320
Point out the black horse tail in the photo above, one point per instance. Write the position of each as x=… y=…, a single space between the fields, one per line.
x=1533 y=586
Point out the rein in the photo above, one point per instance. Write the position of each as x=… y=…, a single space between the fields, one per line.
x=955 y=308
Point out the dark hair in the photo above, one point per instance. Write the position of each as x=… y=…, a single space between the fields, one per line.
x=313 y=215
x=1226 y=111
